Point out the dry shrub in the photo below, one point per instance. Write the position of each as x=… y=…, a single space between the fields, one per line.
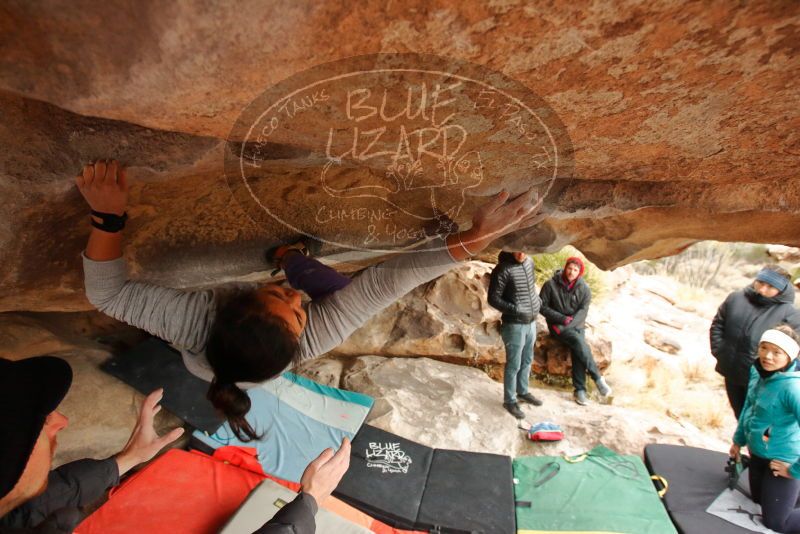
x=695 y=371
x=691 y=294
x=661 y=376
x=649 y=364
x=715 y=417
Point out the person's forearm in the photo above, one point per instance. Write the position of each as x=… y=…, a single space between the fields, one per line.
x=298 y=515
x=552 y=315
x=580 y=315
x=125 y=462
x=464 y=245
x=75 y=484
x=104 y=246
x=503 y=305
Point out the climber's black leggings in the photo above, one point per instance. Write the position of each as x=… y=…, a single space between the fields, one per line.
x=776 y=495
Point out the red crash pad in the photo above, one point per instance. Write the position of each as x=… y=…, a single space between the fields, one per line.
x=180 y=492
x=194 y=493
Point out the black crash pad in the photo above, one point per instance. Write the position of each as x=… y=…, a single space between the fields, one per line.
x=696 y=477
x=410 y=486
x=153 y=364
x=387 y=475
x=468 y=492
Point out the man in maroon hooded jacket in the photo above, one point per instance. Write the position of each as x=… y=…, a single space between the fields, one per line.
x=565 y=303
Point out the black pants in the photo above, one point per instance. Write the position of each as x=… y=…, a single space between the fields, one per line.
x=736 y=396
x=582 y=359
x=776 y=495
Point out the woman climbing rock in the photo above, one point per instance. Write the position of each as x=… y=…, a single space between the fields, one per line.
x=234 y=338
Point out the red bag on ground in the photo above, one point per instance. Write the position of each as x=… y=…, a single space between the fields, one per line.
x=545 y=431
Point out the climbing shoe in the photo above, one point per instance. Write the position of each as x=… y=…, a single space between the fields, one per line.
x=581 y=398
x=530 y=399
x=513 y=409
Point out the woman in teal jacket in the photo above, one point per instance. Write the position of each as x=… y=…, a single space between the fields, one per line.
x=770 y=427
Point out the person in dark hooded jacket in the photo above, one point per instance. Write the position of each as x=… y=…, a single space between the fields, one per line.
x=565 y=304
x=741 y=320
x=512 y=290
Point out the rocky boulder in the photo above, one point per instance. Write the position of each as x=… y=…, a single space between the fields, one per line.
x=662 y=342
x=451 y=406
x=784 y=253
x=552 y=357
x=451 y=320
x=448 y=319
x=671 y=110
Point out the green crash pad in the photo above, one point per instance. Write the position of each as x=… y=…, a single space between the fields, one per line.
x=601 y=492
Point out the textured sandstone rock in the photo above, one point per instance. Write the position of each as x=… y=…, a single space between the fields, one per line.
x=784 y=253
x=24 y=337
x=662 y=342
x=682 y=117
x=450 y=319
x=553 y=358
x=447 y=319
x=451 y=406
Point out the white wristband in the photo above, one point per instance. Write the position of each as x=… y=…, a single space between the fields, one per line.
x=463 y=246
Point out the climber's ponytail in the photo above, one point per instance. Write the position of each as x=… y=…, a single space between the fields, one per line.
x=234 y=404
x=245 y=344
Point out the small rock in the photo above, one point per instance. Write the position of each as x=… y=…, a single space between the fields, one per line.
x=661 y=342
x=784 y=253
x=666 y=321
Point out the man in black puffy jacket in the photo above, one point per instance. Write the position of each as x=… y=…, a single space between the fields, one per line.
x=740 y=321
x=512 y=290
x=565 y=304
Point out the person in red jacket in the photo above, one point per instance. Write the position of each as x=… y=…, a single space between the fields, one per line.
x=565 y=304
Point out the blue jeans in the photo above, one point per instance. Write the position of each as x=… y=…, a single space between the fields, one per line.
x=518 y=339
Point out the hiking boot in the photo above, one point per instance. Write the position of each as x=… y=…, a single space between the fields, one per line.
x=513 y=409
x=530 y=399
x=603 y=388
x=580 y=397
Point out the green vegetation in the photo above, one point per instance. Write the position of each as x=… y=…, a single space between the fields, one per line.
x=547 y=264
x=707 y=264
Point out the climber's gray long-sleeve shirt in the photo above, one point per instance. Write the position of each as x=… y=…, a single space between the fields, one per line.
x=184 y=318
